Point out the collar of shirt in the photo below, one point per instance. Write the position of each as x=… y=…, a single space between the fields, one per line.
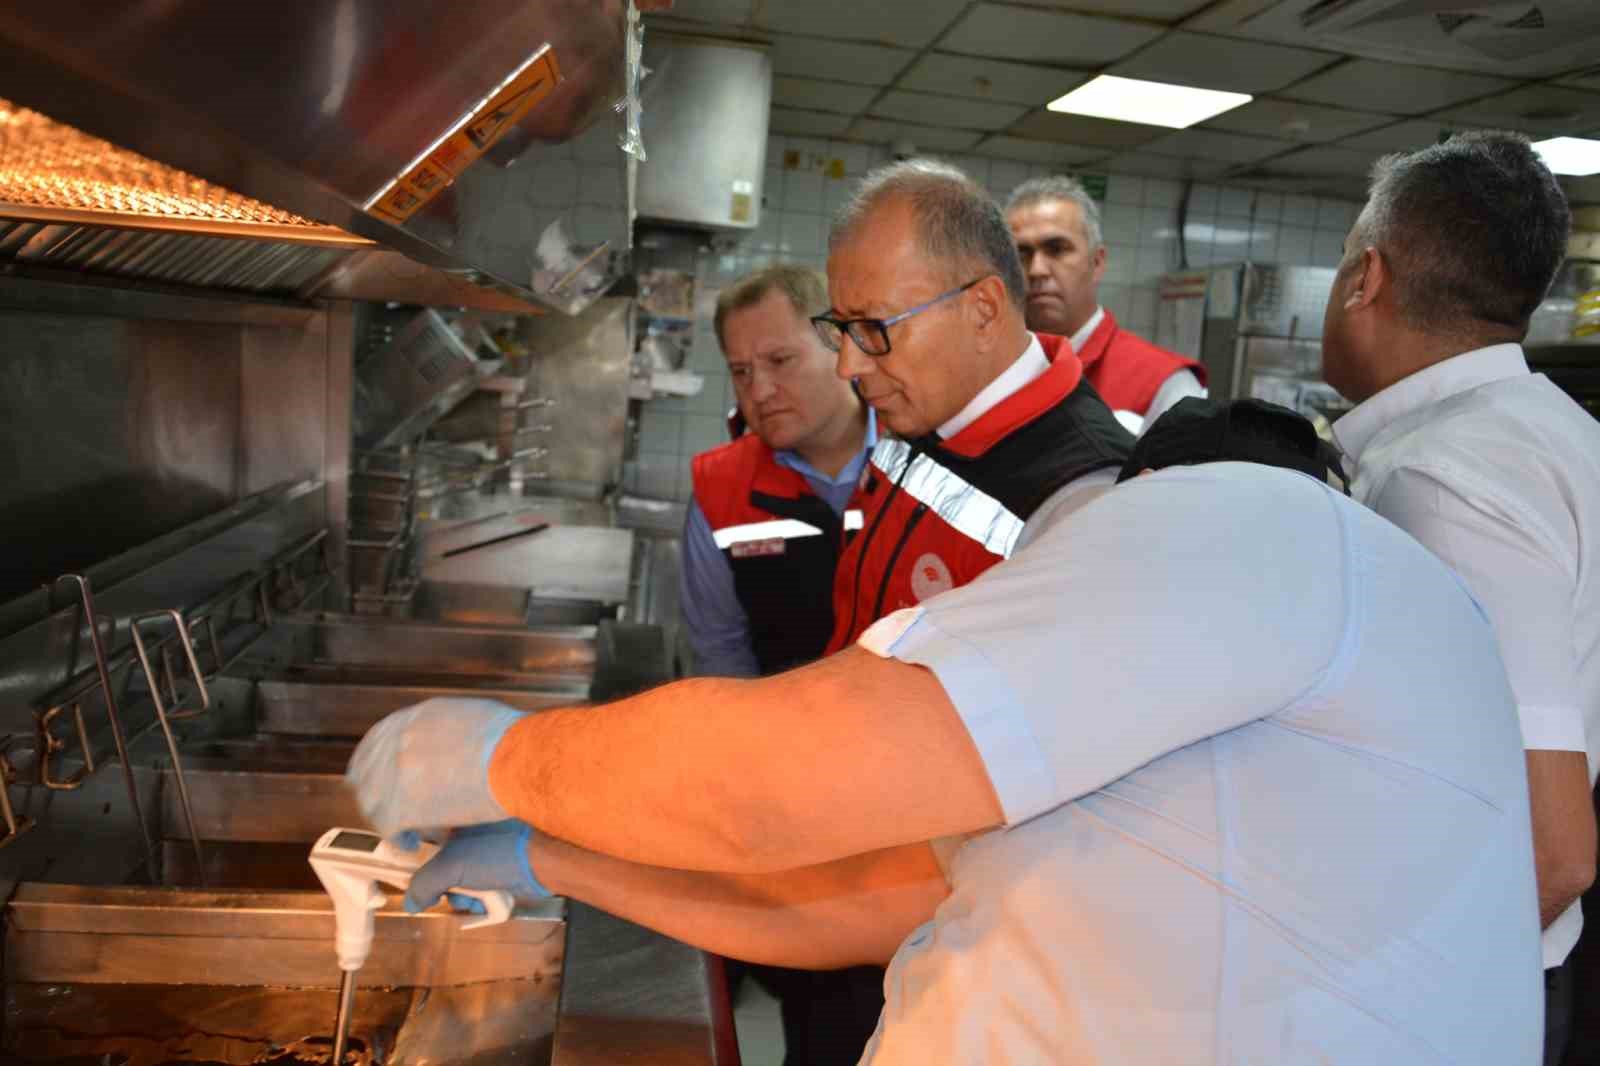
x=1081 y=338
x=851 y=471
x=1442 y=380
x=1031 y=364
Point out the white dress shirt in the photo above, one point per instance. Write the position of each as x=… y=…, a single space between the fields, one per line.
x=1210 y=703
x=1180 y=384
x=1027 y=367
x=1497 y=471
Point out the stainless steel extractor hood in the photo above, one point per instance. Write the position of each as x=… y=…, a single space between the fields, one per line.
x=475 y=138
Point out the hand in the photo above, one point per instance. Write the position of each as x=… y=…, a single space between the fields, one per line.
x=428 y=766
x=483 y=858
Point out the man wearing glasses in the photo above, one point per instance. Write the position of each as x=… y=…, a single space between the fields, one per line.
x=989 y=419
x=771 y=512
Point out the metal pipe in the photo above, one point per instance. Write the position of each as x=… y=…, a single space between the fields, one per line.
x=166 y=727
x=86 y=597
x=341 y=1020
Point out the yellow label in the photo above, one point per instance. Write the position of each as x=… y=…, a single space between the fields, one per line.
x=472 y=137
x=740 y=211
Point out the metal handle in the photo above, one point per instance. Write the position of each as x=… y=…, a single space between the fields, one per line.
x=103 y=672
x=15 y=826
x=50 y=745
x=165 y=720
x=181 y=629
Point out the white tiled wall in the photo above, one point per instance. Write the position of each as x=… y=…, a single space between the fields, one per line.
x=1138 y=217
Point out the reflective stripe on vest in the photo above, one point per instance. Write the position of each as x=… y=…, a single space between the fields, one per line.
x=967 y=508
x=777 y=529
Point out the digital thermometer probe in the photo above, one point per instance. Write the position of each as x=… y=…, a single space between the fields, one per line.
x=351 y=864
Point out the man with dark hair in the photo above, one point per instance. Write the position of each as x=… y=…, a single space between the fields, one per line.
x=1490 y=466
x=771 y=512
x=1056 y=224
x=1199 y=430
x=989 y=419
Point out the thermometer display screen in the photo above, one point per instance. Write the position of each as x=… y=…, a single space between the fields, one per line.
x=356 y=842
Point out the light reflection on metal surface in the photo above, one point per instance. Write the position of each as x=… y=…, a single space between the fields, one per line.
x=58 y=172
x=315 y=108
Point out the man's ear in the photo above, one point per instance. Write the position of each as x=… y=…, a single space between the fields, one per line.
x=988 y=301
x=1370 y=279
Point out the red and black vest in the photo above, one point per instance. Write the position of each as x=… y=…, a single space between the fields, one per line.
x=1128 y=370
x=937 y=513
x=782 y=542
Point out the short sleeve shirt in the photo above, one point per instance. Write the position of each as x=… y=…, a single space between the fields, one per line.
x=1263 y=793
x=1496 y=471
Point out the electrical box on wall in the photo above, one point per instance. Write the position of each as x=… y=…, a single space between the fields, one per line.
x=705 y=109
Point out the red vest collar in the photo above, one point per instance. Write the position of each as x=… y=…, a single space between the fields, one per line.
x=1027 y=403
x=1098 y=341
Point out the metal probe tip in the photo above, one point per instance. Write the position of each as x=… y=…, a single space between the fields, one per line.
x=341 y=1021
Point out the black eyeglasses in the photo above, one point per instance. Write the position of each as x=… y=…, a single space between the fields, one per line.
x=871 y=335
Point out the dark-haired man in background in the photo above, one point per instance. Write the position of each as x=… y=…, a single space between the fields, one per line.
x=1490 y=466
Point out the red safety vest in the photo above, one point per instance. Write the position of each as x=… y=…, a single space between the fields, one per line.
x=782 y=542
x=939 y=513
x=1126 y=369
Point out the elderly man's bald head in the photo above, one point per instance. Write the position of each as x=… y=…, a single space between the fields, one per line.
x=959 y=227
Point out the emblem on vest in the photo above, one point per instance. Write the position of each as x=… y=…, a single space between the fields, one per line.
x=930 y=576
x=747 y=549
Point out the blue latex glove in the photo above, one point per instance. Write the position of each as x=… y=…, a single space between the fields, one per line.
x=481 y=857
x=428 y=766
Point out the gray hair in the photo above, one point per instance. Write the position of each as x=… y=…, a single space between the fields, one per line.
x=1060 y=187
x=1475 y=227
x=958 y=224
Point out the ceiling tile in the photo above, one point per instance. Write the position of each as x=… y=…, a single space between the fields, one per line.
x=1533 y=109
x=1405 y=136
x=1323 y=161
x=925 y=138
x=851 y=61
x=1222 y=63
x=1294 y=120
x=1223 y=147
x=930 y=110
x=990 y=79
x=1082 y=130
x=1003 y=147
x=808 y=123
x=821 y=95
x=908 y=23
x=1049 y=36
x=1160 y=166
x=1393 y=88
x=1163 y=10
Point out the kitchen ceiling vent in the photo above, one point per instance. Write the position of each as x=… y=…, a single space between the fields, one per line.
x=1526 y=38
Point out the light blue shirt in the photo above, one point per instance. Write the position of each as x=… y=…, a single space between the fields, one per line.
x=719 y=631
x=1263 y=791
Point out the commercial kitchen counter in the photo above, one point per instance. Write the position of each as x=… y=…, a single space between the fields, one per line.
x=631 y=995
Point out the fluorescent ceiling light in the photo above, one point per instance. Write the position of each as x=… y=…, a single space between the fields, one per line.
x=1570 y=155
x=1155 y=103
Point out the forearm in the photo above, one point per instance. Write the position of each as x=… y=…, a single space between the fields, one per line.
x=751 y=776
x=1563 y=828
x=851 y=912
